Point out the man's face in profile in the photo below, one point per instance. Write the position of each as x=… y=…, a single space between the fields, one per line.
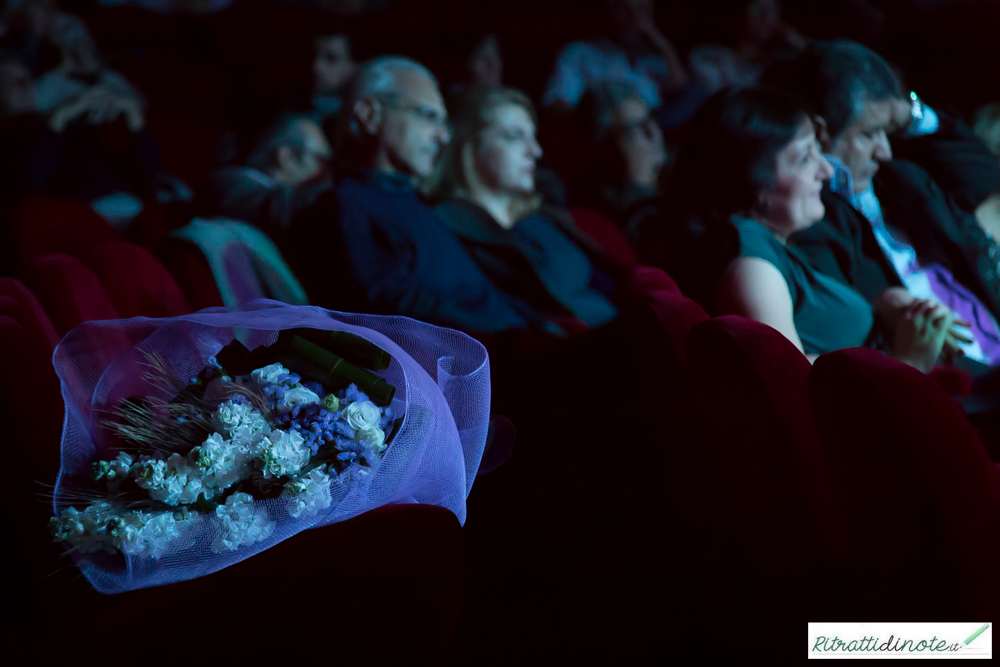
x=414 y=124
x=863 y=144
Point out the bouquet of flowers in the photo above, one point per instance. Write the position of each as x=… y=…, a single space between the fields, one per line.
x=290 y=418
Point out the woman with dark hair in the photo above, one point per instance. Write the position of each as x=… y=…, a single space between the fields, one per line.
x=749 y=175
x=487 y=176
x=621 y=179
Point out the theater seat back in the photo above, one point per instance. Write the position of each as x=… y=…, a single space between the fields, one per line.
x=921 y=495
x=135 y=281
x=764 y=522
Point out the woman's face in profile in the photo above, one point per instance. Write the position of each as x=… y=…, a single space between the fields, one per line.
x=504 y=156
x=794 y=202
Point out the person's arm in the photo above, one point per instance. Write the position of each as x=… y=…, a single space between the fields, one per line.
x=677 y=74
x=958 y=160
x=385 y=264
x=755 y=289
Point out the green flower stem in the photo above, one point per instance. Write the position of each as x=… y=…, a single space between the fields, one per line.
x=354 y=349
x=314 y=362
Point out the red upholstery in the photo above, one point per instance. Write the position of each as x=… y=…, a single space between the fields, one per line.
x=676 y=314
x=187 y=148
x=22 y=306
x=45 y=226
x=921 y=495
x=954 y=381
x=606 y=234
x=190 y=269
x=648 y=279
x=32 y=413
x=136 y=282
x=69 y=292
x=762 y=518
x=399 y=561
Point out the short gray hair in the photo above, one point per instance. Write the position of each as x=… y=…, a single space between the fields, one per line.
x=375 y=78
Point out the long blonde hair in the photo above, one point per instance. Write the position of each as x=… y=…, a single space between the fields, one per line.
x=454 y=172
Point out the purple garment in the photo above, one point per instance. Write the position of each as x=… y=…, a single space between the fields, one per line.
x=924 y=282
x=966 y=306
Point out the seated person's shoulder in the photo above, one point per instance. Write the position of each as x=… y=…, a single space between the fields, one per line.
x=227 y=177
x=754 y=240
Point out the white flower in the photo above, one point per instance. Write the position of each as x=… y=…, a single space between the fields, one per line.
x=375 y=436
x=150 y=473
x=331 y=402
x=309 y=493
x=174 y=481
x=141 y=532
x=239 y=419
x=298 y=396
x=86 y=531
x=240 y=524
x=269 y=374
x=115 y=470
x=362 y=415
x=283 y=453
x=102 y=528
x=221 y=462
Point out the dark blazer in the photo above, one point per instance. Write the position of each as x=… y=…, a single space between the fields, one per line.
x=519 y=261
x=929 y=192
x=370 y=245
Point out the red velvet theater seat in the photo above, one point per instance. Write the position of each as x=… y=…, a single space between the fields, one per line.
x=22 y=306
x=188 y=266
x=645 y=280
x=922 y=497
x=69 y=292
x=762 y=523
x=136 y=282
x=32 y=412
x=43 y=226
x=606 y=234
x=387 y=585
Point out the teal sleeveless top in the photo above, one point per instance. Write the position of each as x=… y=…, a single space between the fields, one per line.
x=828 y=315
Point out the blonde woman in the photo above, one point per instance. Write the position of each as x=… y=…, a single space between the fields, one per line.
x=486 y=178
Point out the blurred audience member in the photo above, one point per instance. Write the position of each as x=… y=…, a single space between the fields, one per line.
x=80 y=69
x=26 y=29
x=333 y=67
x=471 y=60
x=634 y=51
x=488 y=174
x=172 y=6
x=754 y=30
x=626 y=156
x=906 y=220
x=372 y=238
x=285 y=173
x=92 y=147
x=986 y=125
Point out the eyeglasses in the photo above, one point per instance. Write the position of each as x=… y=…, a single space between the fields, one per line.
x=642 y=125
x=424 y=113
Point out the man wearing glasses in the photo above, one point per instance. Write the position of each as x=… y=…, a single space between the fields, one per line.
x=372 y=245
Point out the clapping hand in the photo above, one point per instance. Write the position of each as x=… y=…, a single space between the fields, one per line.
x=921 y=333
x=98 y=105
